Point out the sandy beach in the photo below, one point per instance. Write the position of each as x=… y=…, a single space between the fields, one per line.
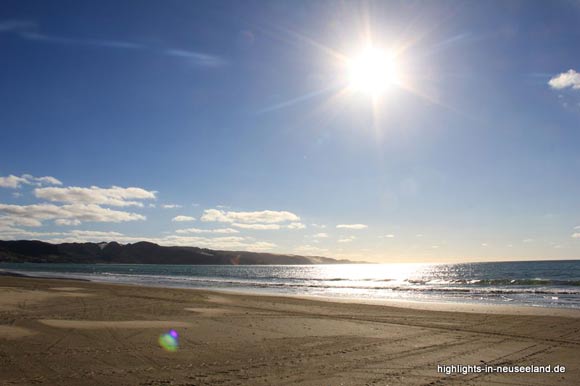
x=63 y=332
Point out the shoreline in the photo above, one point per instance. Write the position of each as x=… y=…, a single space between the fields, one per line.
x=450 y=306
x=70 y=332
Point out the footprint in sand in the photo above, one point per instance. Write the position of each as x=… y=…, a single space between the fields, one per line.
x=210 y=311
x=13 y=332
x=125 y=324
x=67 y=289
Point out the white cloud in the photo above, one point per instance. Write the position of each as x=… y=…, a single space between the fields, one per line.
x=198 y=230
x=10 y=221
x=576 y=235
x=11 y=181
x=296 y=225
x=15 y=182
x=258 y=226
x=352 y=226
x=95 y=234
x=170 y=206
x=389 y=236
x=320 y=235
x=7 y=233
x=114 y=196
x=566 y=79
x=320 y=226
x=348 y=239
x=222 y=243
x=258 y=217
x=66 y=222
x=215 y=215
x=182 y=218
x=47 y=180
x=37 y=213
x=75 y=235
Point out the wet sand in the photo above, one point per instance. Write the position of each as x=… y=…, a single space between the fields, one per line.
x=55 y=332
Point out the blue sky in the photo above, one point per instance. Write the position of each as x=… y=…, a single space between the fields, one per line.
x=241 y=118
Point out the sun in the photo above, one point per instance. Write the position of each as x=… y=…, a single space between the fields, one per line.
x=372 y=72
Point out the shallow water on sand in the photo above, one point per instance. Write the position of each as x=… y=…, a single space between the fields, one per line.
x=540 y=283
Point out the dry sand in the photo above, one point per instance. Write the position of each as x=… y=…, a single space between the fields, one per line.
x=97 y=334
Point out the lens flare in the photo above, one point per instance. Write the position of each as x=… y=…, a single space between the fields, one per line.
x=169 y=341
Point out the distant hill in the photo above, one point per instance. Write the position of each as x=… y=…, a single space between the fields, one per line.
x=32 y=251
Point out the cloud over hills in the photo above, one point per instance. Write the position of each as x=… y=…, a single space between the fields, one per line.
x=57 y=213
x=78 y=204
x=114 y=196
x=264 y=216
x=37 y=213
x=257 y=220
x=71 y=206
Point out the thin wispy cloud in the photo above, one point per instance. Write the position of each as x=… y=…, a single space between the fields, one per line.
x=198 y=230
x=171 y=206
x=16 y=25
x=198 y=58
x=257 y=217
x=352 y=226
x=84 y=42
x=28 y=30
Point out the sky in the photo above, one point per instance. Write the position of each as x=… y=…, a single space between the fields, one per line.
x=239 y=125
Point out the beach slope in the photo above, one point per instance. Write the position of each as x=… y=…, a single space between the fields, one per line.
x=62 y=332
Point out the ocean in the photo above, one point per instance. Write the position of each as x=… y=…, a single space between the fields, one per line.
x=538 y=283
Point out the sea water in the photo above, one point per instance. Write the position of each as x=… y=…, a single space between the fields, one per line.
x=538 y=283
